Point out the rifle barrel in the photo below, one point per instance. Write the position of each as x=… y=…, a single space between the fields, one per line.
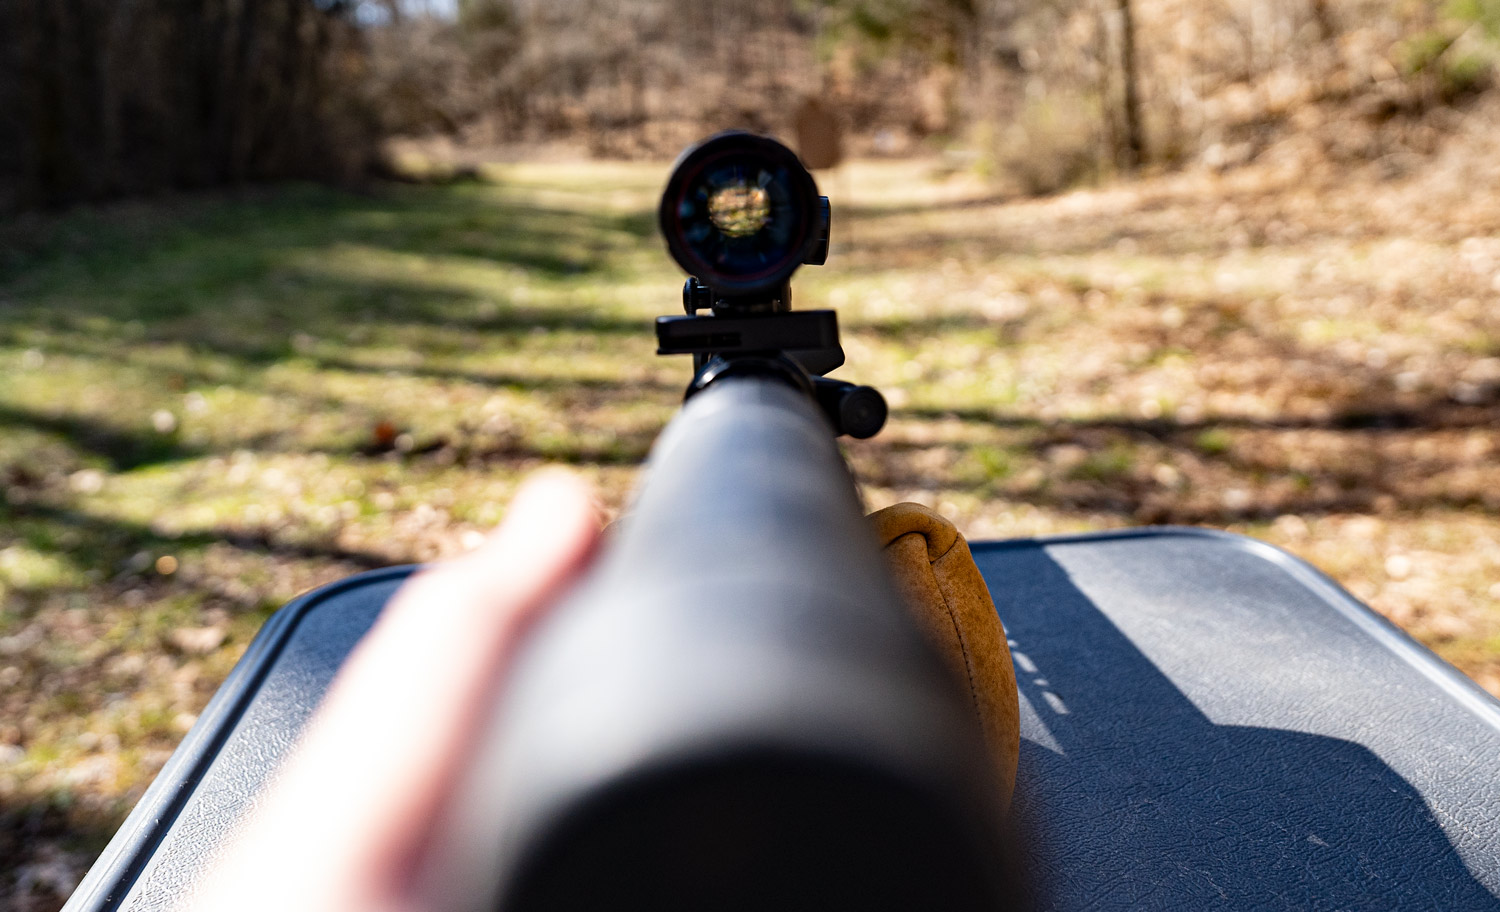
x=734 y=711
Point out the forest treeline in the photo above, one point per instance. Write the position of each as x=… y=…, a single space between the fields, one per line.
x=105 y=98
x=110 y=97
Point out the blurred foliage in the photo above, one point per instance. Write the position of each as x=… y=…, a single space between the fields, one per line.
x=1039 y=90
x=939 y=30
x=487 y=15
x=1484 y=13
x=1459 y=52
x=101 y=99
x=1051 y=144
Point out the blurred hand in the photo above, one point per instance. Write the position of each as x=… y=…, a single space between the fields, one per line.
x=344 y=825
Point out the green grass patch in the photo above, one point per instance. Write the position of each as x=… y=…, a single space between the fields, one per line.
x=1108 y=465
x=1213 y=442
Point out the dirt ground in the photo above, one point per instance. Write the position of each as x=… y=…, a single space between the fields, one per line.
x=211 y=404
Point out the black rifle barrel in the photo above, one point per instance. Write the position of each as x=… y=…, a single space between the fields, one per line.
x=734 y=712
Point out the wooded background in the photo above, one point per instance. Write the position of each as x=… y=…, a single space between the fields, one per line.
x=102 y=98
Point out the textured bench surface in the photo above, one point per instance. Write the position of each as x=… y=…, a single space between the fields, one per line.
x=1207 y=723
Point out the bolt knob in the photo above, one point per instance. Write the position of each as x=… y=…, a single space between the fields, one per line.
x=862 y=412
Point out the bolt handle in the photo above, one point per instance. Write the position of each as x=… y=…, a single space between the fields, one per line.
x=858 y=411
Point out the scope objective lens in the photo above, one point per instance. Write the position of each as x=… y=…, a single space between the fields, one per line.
x=740 y=213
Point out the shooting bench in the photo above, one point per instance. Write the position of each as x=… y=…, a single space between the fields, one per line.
x=1206 y=722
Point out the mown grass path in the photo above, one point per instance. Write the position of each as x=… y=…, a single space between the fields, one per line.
x=209 y=405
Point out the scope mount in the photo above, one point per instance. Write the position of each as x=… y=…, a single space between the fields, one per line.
x=764 y=337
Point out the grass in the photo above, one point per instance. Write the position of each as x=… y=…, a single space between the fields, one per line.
x=208 y=405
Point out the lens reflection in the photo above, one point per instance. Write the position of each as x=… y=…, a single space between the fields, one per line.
x=739 y=209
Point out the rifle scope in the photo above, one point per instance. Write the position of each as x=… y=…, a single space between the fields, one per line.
x=741 y=213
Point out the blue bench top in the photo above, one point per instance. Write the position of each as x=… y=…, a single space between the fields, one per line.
x=1206 y=721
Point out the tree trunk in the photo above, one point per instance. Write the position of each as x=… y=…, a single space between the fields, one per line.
x=1323 y=16
x=1133 y=153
